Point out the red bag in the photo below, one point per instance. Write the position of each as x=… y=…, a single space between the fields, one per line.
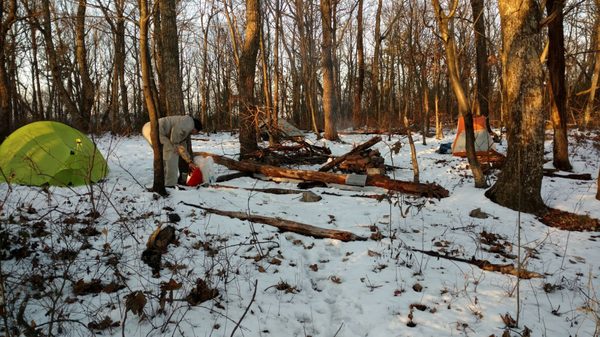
x=195 y=177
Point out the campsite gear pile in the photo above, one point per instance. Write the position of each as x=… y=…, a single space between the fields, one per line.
x=50 y=153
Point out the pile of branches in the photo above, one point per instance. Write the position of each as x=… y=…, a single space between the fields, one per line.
x=298 y=153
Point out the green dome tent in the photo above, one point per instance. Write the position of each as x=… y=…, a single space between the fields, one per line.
x=50 y=153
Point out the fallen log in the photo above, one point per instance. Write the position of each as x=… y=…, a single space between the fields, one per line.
x=431 y=190
x=232 y=176
x=286 y=225
x=509 y=269
x=355 y=150
x=576 y=176
x=279 y=191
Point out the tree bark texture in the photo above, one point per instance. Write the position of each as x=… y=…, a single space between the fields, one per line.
x=169 y=56
x=481 y=61
x=330 y=105
x=150 y=99
x=589 y=107
x=556 y=84
x=425 y=190
x=519 y=184
x=7 y=18
x=247 y=69
x=88 y=91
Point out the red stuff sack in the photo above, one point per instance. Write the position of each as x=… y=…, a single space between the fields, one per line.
x=195 y=177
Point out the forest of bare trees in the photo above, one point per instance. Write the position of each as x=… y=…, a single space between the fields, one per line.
x=111 y=65
x=80 y=62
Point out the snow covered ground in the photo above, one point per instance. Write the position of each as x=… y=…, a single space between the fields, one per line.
x=72 y=278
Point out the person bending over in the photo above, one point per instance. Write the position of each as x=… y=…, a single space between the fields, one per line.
x=173 y=132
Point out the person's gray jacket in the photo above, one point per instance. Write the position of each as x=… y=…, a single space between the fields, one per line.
x=173 y=131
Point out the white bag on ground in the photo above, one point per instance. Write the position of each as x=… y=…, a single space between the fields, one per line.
x=206 y=165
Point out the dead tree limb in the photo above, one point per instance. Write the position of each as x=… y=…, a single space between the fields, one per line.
x=286 y=225
x=279 y=191
x=431 y=190
x=576 y=176
x=357 y=149
x=509 y=269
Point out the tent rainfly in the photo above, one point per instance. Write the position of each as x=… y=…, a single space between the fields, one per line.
x=483 y=140
x=50 y=153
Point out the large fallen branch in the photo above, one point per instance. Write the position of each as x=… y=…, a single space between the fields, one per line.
x=576 y=176
x=357 y=149
x=286 y=225
x=486 y=265
x=427 y=190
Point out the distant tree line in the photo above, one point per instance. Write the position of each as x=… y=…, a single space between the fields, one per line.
x=79 y=62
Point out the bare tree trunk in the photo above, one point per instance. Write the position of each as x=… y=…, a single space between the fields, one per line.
x=330 y=106
x=598 y=186
x=481 y=62
x=247 y=67
x=150 y=99
x=438 y=123
x=204 y=87
x=413 y=150
x=357 y=118
x=277 y=77
x=267 y=88
x=519 y=185
x=425 y=125
x=463 y=104
x=375 y=65
x=88 y=91
x=118 y=89
x=7 y=18
x=589 y=107
x=556 y=84
x=36 y=94
x=56 y=71
x=308 y=70
x=169 y=56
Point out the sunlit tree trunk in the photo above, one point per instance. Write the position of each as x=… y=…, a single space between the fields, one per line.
x=7 y=18
x=150 y=99
x=360 y=65
x=556 y=85
x=519 y=184
x=589 y=107
x=330 y=105
x=463 y=104
x=247 y=69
